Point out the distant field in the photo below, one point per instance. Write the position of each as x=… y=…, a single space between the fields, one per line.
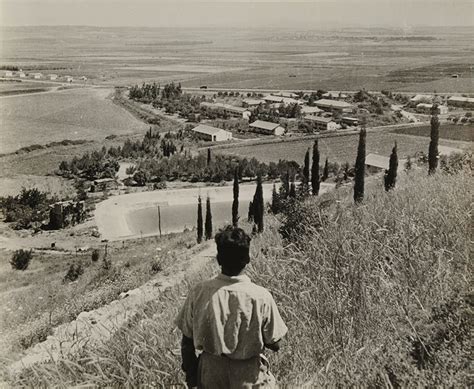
x=446 y=131
x=338 y=149
x=69 y=114
x=7 y=86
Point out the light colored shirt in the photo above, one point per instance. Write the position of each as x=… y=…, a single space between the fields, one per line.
x=231 y=316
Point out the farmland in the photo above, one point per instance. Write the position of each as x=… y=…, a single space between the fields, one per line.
x=69 y=114
x=375 y=59
x=446 y=131
x=339 y=149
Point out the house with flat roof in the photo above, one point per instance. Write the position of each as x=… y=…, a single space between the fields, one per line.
x=321 y=123
x=460 y=101
x=307 y=110
x=334 y=105
x=377 y=162
x=286 y=94
x=350 y=121
x=37 y=76
x=8 y=73
x=267 y=128
x=53 y=77
x=426 y=108
x=422 y=99
x=272 y=99
x=252 y=103
x=21 y=74
x=227 y=109
x=211 y=134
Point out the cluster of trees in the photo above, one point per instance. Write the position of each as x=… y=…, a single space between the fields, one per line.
x=204 y=231
x=147 y=93
x=28 y=209
x=270 y=114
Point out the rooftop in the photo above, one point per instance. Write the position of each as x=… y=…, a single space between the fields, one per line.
x=223 y=106
x=264 y=125
x=319 y=119
x=333 y=103
x=462 y=98
x=209 y=130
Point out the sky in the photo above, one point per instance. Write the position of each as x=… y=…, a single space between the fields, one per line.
x=238 y=13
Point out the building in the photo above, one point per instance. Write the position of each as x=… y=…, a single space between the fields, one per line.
x=321 y=123
x=266 y=128
x=21 y=74
x=375 y=163
x=226 y=109
x=37 y=76
x=334 y=95
x=426 y=108
x=272 y=99
x=65 y=213
x=83 y=78
x=69 y=78
x=334 y=106
x=252 y=103
x=8 y=73
x=460 y=101
x=211 y=134
x=350 y=121
x=307 y=110
x=286 y=94
x=422 y=99
x=53 y=77
x=104 y=184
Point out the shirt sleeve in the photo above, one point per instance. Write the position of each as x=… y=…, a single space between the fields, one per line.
x=273 y=326
x=184 y=320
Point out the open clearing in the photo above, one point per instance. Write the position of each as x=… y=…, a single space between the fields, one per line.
x=84 y=113
x=339 y=149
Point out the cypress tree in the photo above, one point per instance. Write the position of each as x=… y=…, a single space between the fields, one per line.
x=390 y=177
x=208 y=223
x=250 y=213
x=292 y=192
x=208 y=156
x=235 y=203
x=325 y=170
x=276 y=201
x=315 y=183
x=306 y=169
x=286 y=185
x=199 y=221
x=258 y=205
x=433 y=149
x=360 y=168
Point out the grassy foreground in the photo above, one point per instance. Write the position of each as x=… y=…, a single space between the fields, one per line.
x=374 y=296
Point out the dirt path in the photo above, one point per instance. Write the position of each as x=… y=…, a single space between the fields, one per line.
x=99 y=325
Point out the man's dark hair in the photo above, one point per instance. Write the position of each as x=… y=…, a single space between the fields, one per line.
x=233 y=249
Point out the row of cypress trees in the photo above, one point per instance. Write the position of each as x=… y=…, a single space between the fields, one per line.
x=257 y=206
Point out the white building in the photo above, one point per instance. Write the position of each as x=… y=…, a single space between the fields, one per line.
x=252 y=103
x=334 y=95
x=460 y=101
x=21 y=74
x=53 y=77
x=271 y=99
x=37 y=76
x=69 y=78
x=286 y=94
x=8 y=73
x=350 y=121
x=377 y=162
x=422 y=99
x=267 y=128
x=321 y=123
x=426 y=108
x=231 y=110
x=334 y=106
x=211 y=134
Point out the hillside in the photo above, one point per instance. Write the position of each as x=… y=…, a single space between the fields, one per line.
x=374 y=295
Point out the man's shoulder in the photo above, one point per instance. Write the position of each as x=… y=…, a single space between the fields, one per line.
x=255 y=291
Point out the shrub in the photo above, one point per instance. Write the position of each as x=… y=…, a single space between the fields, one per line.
x=156 y=267
x=75 y=270
x=95 y=255
x=21 y=259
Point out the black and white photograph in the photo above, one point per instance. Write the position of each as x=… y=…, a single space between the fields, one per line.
x=236 y=194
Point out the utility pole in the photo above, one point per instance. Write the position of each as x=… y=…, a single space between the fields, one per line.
x=159 y=220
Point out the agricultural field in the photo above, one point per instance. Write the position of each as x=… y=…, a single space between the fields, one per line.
x=338 y=149
x=344 y=59
x=446 y=131
x=82 y=113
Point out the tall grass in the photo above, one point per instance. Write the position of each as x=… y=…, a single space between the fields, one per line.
x=373 y=295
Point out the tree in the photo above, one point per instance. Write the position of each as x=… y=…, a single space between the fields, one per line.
x=315 y=182
x=325 y=170
x=199 y=221
x=292 y=192
x=306 y=170
x=21 y=259
x=433 y=148
x=208 y=224
x=390 y=177
x=258 y=206
x=250 y=215
x=360 y=168
x=235 y=203
x=276 y=201
x=208 y=156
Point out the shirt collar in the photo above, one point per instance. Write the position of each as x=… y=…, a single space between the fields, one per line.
x=233 y=279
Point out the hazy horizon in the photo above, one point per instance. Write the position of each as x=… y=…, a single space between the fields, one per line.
x=404 y=14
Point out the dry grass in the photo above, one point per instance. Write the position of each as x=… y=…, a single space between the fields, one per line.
x=372 y=296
